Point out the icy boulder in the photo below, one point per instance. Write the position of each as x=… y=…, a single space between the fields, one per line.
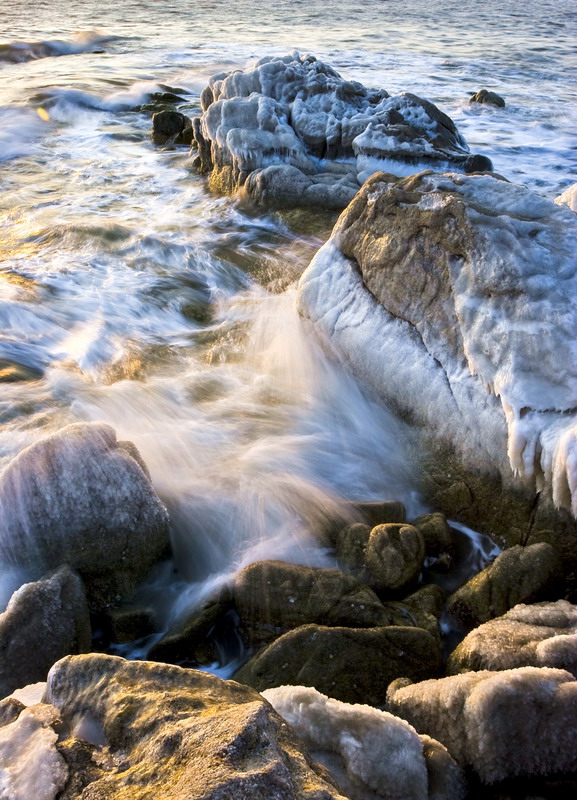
x=540 y=635
x=291 y=132
x=520 y=722
x=455 y=297
x=81 y=498
x=370 y=753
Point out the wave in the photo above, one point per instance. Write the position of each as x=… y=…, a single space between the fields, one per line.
x=19 y=52
x=20 y=130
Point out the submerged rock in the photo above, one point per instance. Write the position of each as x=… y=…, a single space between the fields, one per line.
x=519 y=722
x=81 y=498
x=355 y=665
x=163 y=731
x=371 y=754
x=171 y=127
x=518 y=575
x=292 y=132
x=490 y=98
x=540 y=635
x=474 y=348
x=44 y=622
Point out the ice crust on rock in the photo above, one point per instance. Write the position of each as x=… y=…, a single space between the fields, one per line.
x=379 y=755
x=455 y=296
x=30 y=764
x=519 y=722
x=568 y=197
x=539 y=635
x=82 y=498
x=295 y=118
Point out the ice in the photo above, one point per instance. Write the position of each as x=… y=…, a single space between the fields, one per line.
x=508 y=394
x=30 y=764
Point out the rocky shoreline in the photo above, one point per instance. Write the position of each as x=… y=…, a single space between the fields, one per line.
x=399 y=673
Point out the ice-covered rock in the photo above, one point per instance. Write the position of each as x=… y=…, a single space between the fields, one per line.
x=44 y=621
x=162 y=731
x=291 y=131
x=519 y=722
x=370 y=753
x=81 y=498
x=540 y=635
x=30 y=764
x=568 y=197
x=454 y=296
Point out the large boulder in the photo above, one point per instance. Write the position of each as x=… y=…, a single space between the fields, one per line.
x=163 y=731
x=291 y=132
x=81 y=498
x=518 y=575
x=370 y=753
x=453 y=296
x=355 y=665
x=44 y=621
x=519 y=722
x=273 y=597
x=540 y=635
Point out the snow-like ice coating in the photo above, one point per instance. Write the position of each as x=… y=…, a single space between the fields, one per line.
x=568 y=197
x=382 y=754
x=299 y=115
x=30 y=764
x=502 y=724
x=476 y=338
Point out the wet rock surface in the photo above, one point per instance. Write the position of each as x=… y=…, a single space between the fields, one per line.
x=518 y=575
x=44 y=621
x=353 y=665
x=164 y=731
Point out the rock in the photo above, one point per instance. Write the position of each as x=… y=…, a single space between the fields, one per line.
x=292 y=132
x=429 y=599
x=273 y=597
x=394 y=557
x=540 y=635
x=413 y=293
x=375 y=752
x=379 y=513
x=518 y=575
x=80 y=497
x=10 y=709
x=436 y=533
x=30 y=765
x=171 y=127
x=351 y=545
x=502 y=724
x=128 y=623
x=43 y=622
x=195 y=638
x=490 y=98
x=11 y=372
x=351 y=664
x=183 y=734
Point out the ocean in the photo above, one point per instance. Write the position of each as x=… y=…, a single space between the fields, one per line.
x=129 y=294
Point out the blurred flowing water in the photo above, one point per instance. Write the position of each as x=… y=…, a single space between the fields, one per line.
x=129 y=294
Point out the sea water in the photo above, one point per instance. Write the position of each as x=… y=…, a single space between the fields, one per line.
x=132 y=295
